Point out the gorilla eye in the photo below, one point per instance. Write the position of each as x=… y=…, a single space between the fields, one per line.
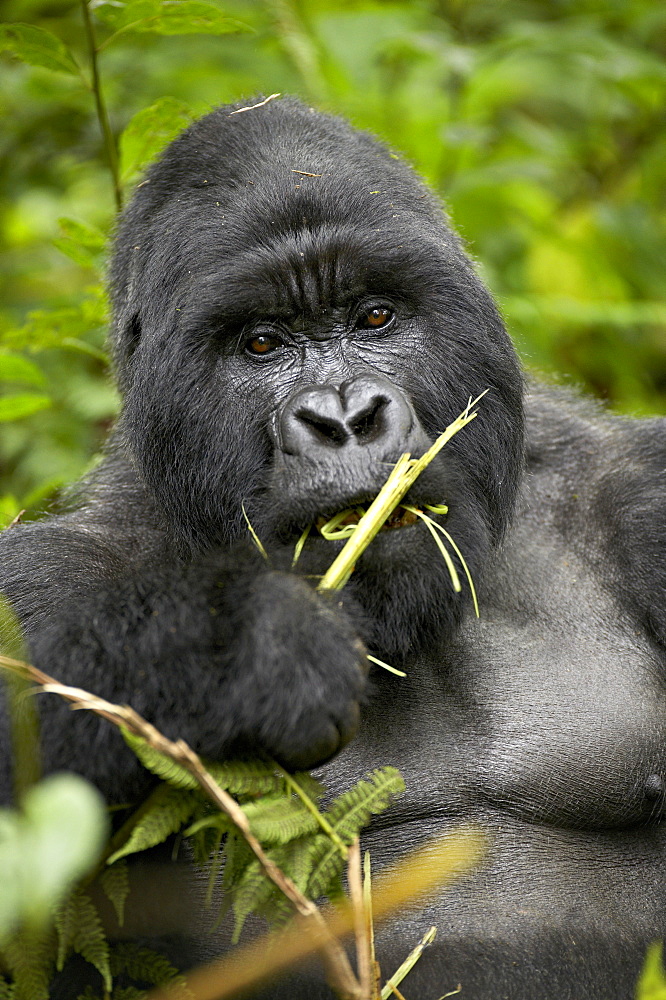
x=373 y=319
x=262 y=344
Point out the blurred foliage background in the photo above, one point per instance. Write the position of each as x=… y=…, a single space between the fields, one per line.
x=540 y=122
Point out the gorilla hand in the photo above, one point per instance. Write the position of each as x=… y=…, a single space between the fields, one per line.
x=298 y=673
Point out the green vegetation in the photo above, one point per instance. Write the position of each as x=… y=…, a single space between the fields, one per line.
x=539 y=123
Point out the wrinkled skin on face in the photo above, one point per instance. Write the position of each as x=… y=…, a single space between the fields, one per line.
x=293 y=312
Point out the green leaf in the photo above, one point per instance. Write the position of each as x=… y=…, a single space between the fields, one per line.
x=37 y=47
x=6 y=989
x=348 y=814
x=15 y=368
x=28 y=956
x=47 y=846
x=80 y=242
x=169 y=809
x=250 y=895
x=48 y=328
x=80 y=930
x=279 y=820
x=247 y=777
x=148 y=966
x=157 y=763
x=239 y=777
x=115 y=883
x=325 y=863
x=22 y=404
x=164 y=17
x=149 y=131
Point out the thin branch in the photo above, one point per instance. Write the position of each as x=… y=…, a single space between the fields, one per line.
x=363 y=950
x=335 y=960
x=425 y=870
x=102 y=115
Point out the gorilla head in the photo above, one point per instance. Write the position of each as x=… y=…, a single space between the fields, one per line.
x=293 y=312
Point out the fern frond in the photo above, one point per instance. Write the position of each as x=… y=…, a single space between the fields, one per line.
x=251 y=895
x=128 y=993
x=246 y=777
x=148 y=966
x=279 y=820
x=237 y=856
x=157 y=763
x=28 y=956
x=205 y=837
x=312 y=788
x=326 y=865
x=169 y=809
x=6 y=989
x=353 y=810
x=115 y=883
x=347 y=815
x=80 y=930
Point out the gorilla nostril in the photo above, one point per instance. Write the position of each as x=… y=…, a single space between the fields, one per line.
x=327 y=430
x=365 y=412
x=368 y=424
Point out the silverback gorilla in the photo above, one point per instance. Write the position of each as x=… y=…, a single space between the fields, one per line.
x=292 y=311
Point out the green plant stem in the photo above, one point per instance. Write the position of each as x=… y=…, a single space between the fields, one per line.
x=403 y=475
x=311 y=807
x=408 y=964
x=102 y=116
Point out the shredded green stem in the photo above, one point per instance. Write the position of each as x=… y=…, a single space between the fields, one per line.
x=332 y=531
x=436 y=508
x=431 y=525
x=403 y=475
x=408 y=964
x=255 y=536
x=386 y=666
x=299 y=545
x=463 y=564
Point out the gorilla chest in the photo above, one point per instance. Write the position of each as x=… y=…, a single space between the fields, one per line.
x=566 y=730
x=570 y=728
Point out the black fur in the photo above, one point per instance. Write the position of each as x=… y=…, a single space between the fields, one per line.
x=544 y=722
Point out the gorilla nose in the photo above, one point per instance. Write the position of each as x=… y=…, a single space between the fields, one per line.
x=364 y=412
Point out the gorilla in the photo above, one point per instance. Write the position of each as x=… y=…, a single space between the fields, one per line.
x=292 y=311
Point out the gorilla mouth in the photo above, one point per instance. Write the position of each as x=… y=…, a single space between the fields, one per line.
x=342 y=524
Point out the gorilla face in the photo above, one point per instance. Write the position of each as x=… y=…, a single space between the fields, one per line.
x=292 y=314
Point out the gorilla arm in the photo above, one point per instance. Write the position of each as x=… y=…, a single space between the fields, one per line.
x=225 y=653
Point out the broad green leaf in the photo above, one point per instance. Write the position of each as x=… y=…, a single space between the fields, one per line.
x=37 y=47
x=15 y=368
x=149 y=131
x=164 y=17
x=47 y=846
x=80 y=242
x=64 y=327
x=22 y=405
